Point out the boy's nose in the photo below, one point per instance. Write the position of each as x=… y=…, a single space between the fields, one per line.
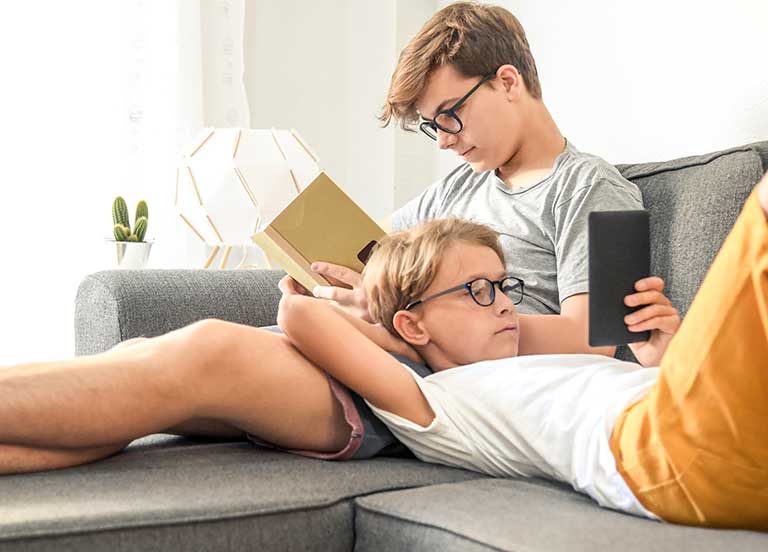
x=445 y=139
x=503 y=304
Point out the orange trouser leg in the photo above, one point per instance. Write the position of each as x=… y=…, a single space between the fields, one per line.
x=695 y=449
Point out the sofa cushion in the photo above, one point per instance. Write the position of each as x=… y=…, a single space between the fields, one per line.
x=170 y=493
x=115 y=305
x=514 y=514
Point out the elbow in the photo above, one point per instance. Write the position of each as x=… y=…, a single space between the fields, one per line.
x=288 y=313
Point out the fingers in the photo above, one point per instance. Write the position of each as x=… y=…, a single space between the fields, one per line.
x=646 y=298
x=341 y=273
x=664 y=324
x=340 y=295
x=289 y=286
x=652 y=282
x=654 y=317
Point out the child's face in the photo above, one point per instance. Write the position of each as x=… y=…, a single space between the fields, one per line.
x=458 y=330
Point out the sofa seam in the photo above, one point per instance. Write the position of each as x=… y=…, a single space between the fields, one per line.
x=5 y=537
x=384 y=512
x=712 y=157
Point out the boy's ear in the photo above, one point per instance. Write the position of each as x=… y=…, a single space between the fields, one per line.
x=510 y=80
x=408 y=325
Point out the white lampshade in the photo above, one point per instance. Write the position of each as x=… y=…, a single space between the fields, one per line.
x=232 y=180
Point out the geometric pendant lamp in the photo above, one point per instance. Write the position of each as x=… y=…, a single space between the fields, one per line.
x=230 y=179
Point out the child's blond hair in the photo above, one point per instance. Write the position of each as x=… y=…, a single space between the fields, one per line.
x=405 y=263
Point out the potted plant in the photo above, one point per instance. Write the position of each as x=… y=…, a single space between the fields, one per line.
x=132 y=249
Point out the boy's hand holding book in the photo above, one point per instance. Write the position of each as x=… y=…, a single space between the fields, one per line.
x=352 y=300
x=322 y=239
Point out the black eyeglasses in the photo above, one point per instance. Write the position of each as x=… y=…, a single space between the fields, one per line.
x=483 y=291
x=447 y=120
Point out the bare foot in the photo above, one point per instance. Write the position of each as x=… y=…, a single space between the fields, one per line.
x=762 y=193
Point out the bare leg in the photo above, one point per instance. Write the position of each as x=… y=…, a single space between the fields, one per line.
x=19 y=459
x=222 y=373
x=97 y=400
x=200 y=428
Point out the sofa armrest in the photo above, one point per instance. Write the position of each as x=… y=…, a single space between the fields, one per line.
x=115 y=305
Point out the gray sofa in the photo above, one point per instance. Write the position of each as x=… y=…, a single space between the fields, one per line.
x=171 y=493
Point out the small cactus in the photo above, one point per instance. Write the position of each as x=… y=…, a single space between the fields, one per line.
x=120 y=213
x=140 y=228
x=121 y=232
x=122 y=225
x=141 y=211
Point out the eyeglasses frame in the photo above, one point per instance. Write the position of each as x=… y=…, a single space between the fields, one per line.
x=451 y=112
x=468 y=287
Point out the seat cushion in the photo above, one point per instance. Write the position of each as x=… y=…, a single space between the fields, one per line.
x=530 y=515
x=170 y=493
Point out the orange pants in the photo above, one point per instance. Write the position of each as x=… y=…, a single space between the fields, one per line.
x=694 y=450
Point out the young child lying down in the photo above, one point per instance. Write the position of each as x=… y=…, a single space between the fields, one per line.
x=686 y=442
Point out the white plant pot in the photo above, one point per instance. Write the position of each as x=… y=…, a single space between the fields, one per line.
x=131 y=255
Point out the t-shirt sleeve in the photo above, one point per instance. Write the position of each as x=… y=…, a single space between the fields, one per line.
x=430 y=203
x=421 y=208
x=439 y=442
x=571 y=237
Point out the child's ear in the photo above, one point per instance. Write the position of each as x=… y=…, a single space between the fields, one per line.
x=410 y=328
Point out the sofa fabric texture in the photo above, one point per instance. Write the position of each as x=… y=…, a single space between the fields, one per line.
x=528 y=514
x=171 y=493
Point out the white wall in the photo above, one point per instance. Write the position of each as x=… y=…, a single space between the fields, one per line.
x=324 y=69
x=55 y=197
x=88 y=113
x=652 y=80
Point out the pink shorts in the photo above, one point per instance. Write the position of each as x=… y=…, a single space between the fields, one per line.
x=351 y=415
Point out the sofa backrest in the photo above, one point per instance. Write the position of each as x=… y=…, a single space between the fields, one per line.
x=762 y=149
x=694 y=203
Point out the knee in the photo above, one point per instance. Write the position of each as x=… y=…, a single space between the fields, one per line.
x=205 y=340
x=129 y=342
x=216 y=347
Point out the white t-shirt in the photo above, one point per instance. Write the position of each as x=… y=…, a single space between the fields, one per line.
x=535 y=416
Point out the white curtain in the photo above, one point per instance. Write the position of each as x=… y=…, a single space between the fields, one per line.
x=98 y=98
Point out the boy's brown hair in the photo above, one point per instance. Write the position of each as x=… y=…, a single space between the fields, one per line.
x=476 y=39
x=405 y=263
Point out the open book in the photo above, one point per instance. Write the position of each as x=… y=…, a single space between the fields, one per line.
x=322 y=223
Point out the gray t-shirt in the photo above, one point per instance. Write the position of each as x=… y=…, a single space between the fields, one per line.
x=543 y=227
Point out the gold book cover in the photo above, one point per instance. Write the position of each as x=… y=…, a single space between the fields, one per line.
x=322 y=223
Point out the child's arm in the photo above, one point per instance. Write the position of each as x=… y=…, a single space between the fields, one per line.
x=658 y=315
x=380 y=336
x=328 y=339
x=544 y=334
